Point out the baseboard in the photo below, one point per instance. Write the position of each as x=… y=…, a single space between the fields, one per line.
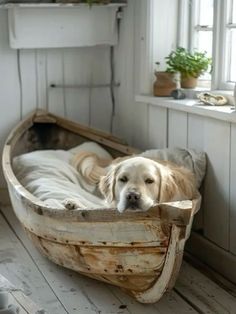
x=4 y=197
x=215 y=257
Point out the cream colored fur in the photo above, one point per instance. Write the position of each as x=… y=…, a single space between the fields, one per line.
x=152 y=181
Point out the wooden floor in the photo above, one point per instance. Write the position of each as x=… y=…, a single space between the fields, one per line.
x=61 y=291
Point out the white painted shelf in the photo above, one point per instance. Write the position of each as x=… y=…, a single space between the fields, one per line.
x=225 y=113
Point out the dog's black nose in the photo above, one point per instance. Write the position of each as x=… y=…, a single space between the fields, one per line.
x=133 y=197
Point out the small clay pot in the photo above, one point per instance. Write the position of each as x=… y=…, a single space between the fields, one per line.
x=189 y=82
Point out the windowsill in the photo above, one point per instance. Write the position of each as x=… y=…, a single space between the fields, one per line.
x=225 y=113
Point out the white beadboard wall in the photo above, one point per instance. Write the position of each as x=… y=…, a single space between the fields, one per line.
x=24 y=85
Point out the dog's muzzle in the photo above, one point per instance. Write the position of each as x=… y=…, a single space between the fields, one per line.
x=132 y=200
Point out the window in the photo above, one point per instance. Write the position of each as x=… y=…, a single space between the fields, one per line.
x=201 y=35
x=212 y=28
x=231 y=41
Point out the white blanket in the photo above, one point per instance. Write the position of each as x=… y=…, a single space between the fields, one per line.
x=48 y=175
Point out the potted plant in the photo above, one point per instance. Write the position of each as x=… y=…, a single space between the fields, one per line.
x=190 y=65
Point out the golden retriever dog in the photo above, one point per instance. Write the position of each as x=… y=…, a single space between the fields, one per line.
x=138 y=183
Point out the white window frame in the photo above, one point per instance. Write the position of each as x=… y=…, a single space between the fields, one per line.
x=220 y=54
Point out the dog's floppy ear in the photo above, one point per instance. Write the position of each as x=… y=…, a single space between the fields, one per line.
x=176 y=183
x=107 y=184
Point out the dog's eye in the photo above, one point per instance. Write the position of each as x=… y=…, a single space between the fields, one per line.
x=123 y=179
x=149 y=181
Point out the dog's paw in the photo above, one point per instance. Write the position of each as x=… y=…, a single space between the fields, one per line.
x=70 y=204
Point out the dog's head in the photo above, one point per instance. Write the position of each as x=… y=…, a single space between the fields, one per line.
x=138 y=183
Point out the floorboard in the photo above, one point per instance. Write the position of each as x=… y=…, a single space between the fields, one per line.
x=60 y=290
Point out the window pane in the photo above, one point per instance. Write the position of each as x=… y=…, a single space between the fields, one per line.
x=204 y=43
x=206 y=12
x=232 y=57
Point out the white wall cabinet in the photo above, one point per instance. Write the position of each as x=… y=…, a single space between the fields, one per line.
x=62 y=27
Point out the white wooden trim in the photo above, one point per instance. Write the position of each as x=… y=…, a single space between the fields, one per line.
x=216 y=53
x=183 y=23
x=224 y=113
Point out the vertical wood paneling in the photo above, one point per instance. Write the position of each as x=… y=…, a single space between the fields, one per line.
x=196 y=141
x=28 y=77
x=77 y=68
x=41 y=78
x=196 y=132
x=157 y=117
x=216 y=192
x=10 y=96
x=177 y=128
x=55 y=76
x=101 y=104
x=140 y=126
x=126 y=120
x=233 y=190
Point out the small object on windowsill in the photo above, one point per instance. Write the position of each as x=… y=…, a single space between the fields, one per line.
x=212 y=100
x=178 y=94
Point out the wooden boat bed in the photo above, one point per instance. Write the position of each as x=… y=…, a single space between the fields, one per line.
x=139 y=252
x=59 y=290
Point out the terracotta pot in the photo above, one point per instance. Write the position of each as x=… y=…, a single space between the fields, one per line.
x=164 y=84
x=189 y=82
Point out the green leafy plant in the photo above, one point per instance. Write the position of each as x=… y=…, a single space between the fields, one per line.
x=188 y=64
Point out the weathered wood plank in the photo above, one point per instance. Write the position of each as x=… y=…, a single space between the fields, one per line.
x=14 y=296
x=170 y=303
x=212 y=255
x=206 y=295
x=13 y=301
x=17 y=266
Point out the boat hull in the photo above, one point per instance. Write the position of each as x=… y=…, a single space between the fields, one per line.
x=139 y=252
